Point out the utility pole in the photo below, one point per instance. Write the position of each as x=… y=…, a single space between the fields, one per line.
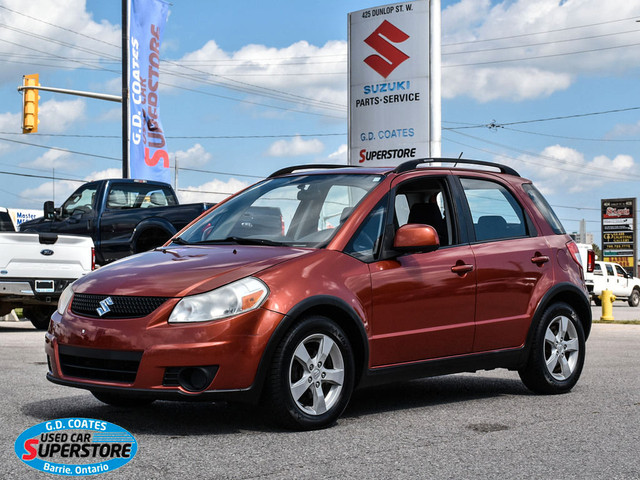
x=125 y=89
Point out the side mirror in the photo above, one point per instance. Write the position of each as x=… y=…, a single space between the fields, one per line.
x=49 y=210
x=415 y=238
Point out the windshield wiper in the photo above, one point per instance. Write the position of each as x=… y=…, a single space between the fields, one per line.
x=240 y=241
x=180 y=241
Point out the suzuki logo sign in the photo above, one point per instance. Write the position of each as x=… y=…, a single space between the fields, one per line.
x=104 y=306
x=390 y=57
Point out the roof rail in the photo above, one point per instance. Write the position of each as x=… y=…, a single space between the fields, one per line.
x=316 y=166
x=412 y=164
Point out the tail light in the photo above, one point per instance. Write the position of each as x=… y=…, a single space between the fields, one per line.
x=591 y=261
x=575 y=252
x=93 y=258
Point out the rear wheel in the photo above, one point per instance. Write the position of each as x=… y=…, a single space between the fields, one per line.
x=557 y=352
x=122 y=399
x=634 y=298
x=39 y=316
x=312 y=375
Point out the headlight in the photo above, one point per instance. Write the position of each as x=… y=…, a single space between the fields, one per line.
x=65 y=299
x=237 y=297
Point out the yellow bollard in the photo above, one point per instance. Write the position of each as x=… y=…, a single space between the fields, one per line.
x=607 y=299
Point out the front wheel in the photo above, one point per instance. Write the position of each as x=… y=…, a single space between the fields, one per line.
x=634 y=298
x=557 y=352
x=312 y=375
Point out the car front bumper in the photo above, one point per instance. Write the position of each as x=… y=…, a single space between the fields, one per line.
x=149 y=357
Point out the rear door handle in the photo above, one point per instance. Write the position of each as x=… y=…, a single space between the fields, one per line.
x=462 y=269
x=540 y=259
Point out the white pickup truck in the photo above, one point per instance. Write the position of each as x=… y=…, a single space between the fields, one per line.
x=611 y=276
x=36 y=268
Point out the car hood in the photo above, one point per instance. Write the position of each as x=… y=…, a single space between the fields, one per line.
x=185 y=270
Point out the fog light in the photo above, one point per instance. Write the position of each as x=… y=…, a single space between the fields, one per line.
x=196 y=379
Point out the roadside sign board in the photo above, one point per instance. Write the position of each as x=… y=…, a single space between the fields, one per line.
x=619 y=232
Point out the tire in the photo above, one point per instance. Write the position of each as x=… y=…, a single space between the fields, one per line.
x=122 y=399
x=557 y=352
x=311 y=377
x=39 y=316
x=634 y=298
x=597 y=301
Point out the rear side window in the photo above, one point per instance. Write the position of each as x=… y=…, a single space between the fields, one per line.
x=496 y=213
x=544 y=208
x=139 y=195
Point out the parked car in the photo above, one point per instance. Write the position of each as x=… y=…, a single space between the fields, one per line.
x=122 y=216
x=378 y=275
x=36 y=268
x=611 y=276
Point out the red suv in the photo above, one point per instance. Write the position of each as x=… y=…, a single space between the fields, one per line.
x=321 y=279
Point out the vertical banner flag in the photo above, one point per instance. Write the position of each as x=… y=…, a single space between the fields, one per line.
x=388 y=84
x=148 y=156
x=619 y=232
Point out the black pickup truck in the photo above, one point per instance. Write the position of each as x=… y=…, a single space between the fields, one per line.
x=123 y=216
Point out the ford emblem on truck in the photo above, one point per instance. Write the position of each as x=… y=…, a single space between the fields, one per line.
x=46 y=252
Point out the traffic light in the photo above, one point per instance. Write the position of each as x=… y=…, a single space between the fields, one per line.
x=30 y=97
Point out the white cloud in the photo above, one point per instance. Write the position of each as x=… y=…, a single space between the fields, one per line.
x=196 y=156
x=301 y=69
x=51 y=159
x=60 y=19
x=295 y=147
x=57 y=116
x=212 y=192
x=543 y=63
x=565 y=170
x=340 y=156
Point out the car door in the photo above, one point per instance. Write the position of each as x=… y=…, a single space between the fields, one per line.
x=513 y=264
x=79 y=212
x=622 y=284
x=423 y=304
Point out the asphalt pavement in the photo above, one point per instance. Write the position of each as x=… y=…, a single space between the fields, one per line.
x=485 y=425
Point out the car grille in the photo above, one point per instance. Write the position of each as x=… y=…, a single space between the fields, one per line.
x=121 y=306
x=93 y=364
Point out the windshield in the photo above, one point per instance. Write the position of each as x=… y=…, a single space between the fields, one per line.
x=295 y=211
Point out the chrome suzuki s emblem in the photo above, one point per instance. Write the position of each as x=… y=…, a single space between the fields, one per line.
x=46 y=252
x=104 y=306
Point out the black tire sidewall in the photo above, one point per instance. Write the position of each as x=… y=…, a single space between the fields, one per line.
x=283 y=407
x=634 y=298
x=536 y=375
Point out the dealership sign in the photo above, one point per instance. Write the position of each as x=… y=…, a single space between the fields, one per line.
x=76 y=447
x=618 y=231
x=148 y=154
x=388 y=84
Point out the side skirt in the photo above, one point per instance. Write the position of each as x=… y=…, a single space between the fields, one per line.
x=511 y=359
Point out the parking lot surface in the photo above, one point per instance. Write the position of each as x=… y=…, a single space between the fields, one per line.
x=485 y=425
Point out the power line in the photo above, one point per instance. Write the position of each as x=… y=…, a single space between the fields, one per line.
x=540 y=33
x=538 y=57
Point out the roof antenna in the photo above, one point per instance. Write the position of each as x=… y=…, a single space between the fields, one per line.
x=459 y=157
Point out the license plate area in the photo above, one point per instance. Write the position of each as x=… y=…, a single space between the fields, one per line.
x=45 y=286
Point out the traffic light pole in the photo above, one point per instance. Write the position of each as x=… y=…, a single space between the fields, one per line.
x=78 y=93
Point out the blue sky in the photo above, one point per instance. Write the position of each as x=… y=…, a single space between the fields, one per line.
x=559 y=80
